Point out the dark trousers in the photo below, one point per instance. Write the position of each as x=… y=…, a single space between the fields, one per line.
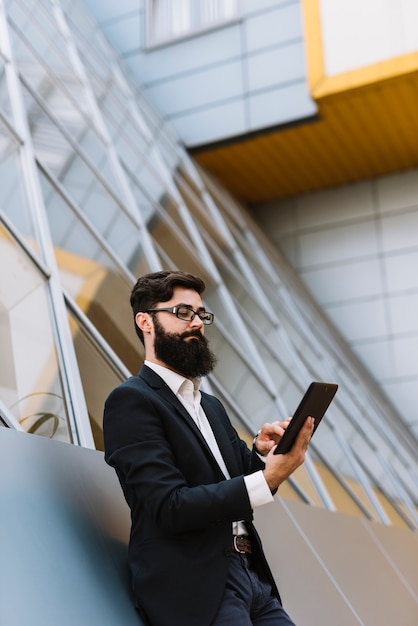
x=248 y=599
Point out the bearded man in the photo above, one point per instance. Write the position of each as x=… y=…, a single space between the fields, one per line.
x=190 y=481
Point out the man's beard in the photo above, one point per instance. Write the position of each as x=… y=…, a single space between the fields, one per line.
x=192 y=358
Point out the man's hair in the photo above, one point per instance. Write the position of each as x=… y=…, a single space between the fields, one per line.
x=158 y=287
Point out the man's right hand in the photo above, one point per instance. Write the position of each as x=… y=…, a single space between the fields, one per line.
x=281 y=466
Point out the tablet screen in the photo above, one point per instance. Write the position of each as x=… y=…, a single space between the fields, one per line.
x=314 y=403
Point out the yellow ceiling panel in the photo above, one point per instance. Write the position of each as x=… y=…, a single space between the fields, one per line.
x=361 y=134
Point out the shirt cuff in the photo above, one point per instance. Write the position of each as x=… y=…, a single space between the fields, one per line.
x=258 y=491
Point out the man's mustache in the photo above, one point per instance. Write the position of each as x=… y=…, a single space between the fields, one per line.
x=193 y=333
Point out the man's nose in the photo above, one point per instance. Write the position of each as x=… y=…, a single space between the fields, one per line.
x=196 y=322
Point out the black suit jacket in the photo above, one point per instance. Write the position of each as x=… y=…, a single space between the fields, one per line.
x=182 y=507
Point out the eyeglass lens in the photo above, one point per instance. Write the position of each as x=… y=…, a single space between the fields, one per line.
x=187 y=314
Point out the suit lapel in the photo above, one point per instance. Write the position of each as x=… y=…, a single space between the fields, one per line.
x=157 y=383
x=164 y=391
x=222 y=438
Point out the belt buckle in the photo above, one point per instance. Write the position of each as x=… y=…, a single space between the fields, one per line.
x=236 y=545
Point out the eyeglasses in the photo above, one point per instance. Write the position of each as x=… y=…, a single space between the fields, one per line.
x=186 y=313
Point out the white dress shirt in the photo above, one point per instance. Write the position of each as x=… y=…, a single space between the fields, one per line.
x=187 y=391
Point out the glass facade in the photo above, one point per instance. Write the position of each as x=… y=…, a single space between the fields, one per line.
x=97 y=190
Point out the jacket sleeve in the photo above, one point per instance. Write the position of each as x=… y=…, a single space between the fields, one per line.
x=163 y=469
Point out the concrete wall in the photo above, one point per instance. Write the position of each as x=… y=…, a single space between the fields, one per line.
x=380 y=30
x=63 y=535
x=356 y=249
x=64 y=529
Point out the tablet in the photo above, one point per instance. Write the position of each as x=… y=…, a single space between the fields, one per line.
x=314 y=403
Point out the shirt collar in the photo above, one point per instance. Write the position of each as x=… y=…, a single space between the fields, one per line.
x=172 y=379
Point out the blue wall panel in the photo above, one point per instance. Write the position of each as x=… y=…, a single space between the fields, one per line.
x=205 y=88
x=243 y=76
x=271 y=28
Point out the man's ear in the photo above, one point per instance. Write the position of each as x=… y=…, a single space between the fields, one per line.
x=143 y=321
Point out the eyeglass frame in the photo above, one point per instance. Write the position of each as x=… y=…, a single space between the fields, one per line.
x=174 y=311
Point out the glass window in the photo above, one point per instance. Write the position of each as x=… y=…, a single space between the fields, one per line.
x=30 y=381
x=89 y=273
x=172 y=19
x=98 y=375
x=13 y=196
x=5 y=104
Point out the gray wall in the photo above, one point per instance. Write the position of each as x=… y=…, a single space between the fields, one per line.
x=64 y=528
x=222 y=83
x=338 y=570
x=63 y=536
x=356 y=249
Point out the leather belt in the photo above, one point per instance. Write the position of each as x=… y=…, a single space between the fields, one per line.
x=242 y=544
